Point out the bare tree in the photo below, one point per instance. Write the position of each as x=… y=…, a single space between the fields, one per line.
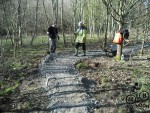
x=45 y=12
x=24 y=18
x=146 y=26
x=120 y=14
x=35 y=23
x=6 y=21
x=19 y=22
x=62 y=21
x=74 y=19
x=55 y=10
x=106 y=31
x=18 y=38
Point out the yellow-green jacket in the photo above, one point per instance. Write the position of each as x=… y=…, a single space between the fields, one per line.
x=81 y=35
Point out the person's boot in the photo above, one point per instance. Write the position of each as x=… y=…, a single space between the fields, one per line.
x=48 y=52
x=51 y=51
x=54 y=49
x=84 y=53
x=76 y=52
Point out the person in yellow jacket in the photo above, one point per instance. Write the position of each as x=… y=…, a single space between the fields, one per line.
x=80 y=38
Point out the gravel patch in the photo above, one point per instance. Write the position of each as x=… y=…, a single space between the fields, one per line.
x=64 y=86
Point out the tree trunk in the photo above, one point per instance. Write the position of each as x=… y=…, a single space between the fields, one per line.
x=7 y=24
x=19 y=23
x=121 y=24
x=35 y=24
x=142 y=47
x=1 y=49
x=106 y=30
x=55 y=10
x=119 y=46
x=25 y=21
x=146 y=27
x=45 y=12
x=62 y=22
x=74 y=19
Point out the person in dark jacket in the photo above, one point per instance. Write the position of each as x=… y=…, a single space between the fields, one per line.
x=53 y=35
x=125 y=33
x=125 y=36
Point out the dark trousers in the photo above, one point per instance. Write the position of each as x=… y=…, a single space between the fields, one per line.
x=114 y=53
x=52 y=43
x=80 y=44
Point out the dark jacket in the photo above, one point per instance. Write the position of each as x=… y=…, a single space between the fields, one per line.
x=125 y=33
x=53 y=31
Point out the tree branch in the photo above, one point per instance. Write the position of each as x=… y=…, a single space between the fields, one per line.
x=128 y=9
x=115 y=18
x=3 y=1
x=105 y=3
x=141 y=16
x=113 y=8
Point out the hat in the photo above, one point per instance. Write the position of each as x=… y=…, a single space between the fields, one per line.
x=80 y=23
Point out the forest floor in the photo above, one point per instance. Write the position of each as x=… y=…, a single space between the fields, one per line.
x=20 y=86
x=21 y=89
x=115 y=81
